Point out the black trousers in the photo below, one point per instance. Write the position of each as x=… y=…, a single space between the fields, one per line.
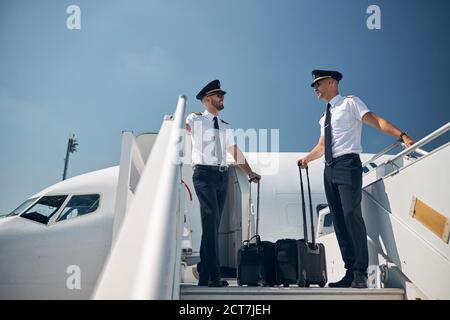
x=211 y=189
x=343 y=188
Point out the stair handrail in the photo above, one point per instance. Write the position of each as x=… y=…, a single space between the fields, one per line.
x=435 y=134
x=382 y=152
x=144 y=261
x=415 y=147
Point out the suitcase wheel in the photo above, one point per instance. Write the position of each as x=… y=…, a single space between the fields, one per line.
x=302 y=281
x=322 y=284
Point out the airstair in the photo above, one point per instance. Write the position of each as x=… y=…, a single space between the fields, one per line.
x=407 y=212
x=234 y=292
x=405 y=205
x=407 y=215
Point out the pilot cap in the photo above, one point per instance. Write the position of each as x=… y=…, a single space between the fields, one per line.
x=323 y=74
x=210 y=88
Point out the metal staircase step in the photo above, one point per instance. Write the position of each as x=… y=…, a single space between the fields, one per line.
x=234 y=292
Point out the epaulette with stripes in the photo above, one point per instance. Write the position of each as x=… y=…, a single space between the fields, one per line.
x=198 y=113
x=224 y=121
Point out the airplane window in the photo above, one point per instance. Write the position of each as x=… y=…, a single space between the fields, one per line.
x=43 y=210
x=22 y=207
x=80 y=205
x=328 y=221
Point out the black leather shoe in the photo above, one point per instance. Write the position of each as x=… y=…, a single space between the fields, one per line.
x=203 y=282
x=345 y=282
x=218 y=283
x=359 y=280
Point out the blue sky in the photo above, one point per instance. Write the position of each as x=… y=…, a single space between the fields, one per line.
x=131 y=59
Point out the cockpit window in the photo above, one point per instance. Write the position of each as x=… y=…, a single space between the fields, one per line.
x=44 y=209
x=22 y=207
x=79 y=205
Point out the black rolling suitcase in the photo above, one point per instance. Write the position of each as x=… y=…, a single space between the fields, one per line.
x=256 y=260
x=312 y=266
x=286 y=265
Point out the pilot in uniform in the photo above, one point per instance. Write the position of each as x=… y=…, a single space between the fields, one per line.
x=340 y=141
x=212 y=139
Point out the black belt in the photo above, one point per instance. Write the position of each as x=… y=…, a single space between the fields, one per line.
x=211 y=167
x=343 y=157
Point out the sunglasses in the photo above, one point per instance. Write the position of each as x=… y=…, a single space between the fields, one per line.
x=317 y=84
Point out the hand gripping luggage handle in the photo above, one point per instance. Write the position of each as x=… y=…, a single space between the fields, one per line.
x=305 y=231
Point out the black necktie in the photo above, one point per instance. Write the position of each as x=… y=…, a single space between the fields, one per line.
x=328 y=153
x=217 y=141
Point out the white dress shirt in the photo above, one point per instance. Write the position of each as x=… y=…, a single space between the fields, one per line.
x=346 y=124
x=203 y=139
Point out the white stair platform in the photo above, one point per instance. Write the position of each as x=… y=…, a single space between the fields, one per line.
x=234 y=292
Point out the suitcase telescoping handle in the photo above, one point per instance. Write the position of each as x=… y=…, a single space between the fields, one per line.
x=257 y=211
x=305 y=229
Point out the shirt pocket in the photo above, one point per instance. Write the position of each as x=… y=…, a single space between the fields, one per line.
x=208 y=136
x=341 y=121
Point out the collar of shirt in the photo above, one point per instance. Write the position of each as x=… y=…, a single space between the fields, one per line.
x=335 y=100
x=210 y=116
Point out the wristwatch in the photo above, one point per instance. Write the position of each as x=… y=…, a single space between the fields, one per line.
x=402 y=134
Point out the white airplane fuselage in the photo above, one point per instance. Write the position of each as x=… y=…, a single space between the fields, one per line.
x=63 y=259
x=58 y=260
